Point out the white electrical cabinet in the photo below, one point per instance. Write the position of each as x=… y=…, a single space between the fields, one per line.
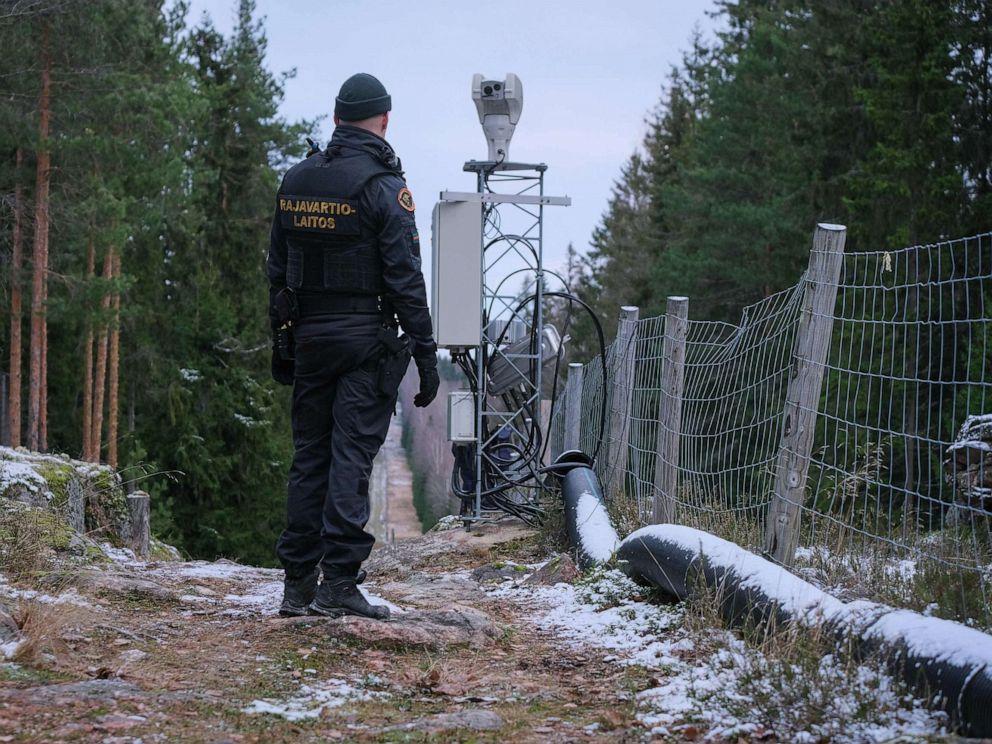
x=461 y=416
x=456 y=287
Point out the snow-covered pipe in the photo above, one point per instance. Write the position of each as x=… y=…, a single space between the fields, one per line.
x=936 y=657
x=589 y=526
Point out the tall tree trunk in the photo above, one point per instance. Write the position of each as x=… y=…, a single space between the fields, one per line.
x=100 y=376
x=16 y=260
x=43 y=387
x=88 y=358
x=40 y=252
x=112 y=383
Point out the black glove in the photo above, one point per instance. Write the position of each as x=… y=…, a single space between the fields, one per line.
x=429 y=380
x=282 y=369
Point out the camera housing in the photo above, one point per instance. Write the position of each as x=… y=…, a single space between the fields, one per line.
x=499 y=103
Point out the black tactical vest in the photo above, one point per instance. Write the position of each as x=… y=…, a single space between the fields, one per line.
x=330 y=244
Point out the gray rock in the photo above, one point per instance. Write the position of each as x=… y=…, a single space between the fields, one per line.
x=113 y=582
x=91 y=689
x=559 y=570
x=492 y=574
x=433 y=590
x=473 y=719
x=432 y=630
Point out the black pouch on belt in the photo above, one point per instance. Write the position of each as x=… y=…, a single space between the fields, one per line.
x=392 y=364
x=287 y=313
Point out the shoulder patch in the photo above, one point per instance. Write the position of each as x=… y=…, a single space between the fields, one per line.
x=405 y=198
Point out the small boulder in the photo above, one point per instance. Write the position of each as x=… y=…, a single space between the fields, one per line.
x=112 y=582
x=559 y=570
x=433 y=630
x=472 y=719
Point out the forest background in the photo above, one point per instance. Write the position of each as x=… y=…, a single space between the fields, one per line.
x=139 y=155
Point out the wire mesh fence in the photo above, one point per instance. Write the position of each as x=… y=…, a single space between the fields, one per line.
x=897 y=500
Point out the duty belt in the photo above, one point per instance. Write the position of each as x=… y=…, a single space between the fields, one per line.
x=324 y=304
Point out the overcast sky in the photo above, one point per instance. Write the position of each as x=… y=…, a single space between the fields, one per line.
x=590 y=73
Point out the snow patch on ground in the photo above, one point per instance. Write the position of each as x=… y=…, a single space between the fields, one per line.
x=601 y=612
x=313 y=699
x=9 y=649
x=711 y=681
x=68 y=597
x=20 y=474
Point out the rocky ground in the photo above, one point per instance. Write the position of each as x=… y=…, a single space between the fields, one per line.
x=494 y=637
x=194 y=651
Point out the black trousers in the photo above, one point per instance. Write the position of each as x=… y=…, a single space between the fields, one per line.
x=340 y=420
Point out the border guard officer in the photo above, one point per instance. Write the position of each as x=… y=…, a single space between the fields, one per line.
x=343 y=267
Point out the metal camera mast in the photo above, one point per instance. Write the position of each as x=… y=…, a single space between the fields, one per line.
x=502 y=346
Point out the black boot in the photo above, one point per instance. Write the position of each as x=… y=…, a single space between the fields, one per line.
x=297 y=594
x=340 y=596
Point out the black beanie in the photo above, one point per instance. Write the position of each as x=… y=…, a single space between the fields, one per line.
x=362 y=96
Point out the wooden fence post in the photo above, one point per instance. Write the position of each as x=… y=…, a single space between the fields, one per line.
x=139 y=506
x=803 y=394
x=666 y=469
x=573 y=407
x=623 y=392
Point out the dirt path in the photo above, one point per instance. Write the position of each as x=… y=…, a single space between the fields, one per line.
x=391 y=491
x=194 y=652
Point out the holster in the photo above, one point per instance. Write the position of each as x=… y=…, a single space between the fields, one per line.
x=287 y=312
x=393 y=363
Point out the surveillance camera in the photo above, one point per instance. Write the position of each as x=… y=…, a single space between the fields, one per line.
x=499 y=103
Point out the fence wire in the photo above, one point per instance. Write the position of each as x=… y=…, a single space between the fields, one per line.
x=898 y=496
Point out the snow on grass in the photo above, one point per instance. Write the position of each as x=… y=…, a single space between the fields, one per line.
x=602 y=612
x=224 y=570
x=68 y=597
x=737 y=691
x=20 y=474
x=709 y=680
x=311 y=700
x=123 y=556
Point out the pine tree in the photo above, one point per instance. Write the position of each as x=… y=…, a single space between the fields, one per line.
x=16 y=265
x=39 y=281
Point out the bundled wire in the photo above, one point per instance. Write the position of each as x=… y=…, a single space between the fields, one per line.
x=504 y=476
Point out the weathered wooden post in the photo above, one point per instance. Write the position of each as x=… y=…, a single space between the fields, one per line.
x=623 y=392
x=546 y=428
x=139 y=506
x=573 y=407
x=803 y=394
x=666 y=469
x=76 y=505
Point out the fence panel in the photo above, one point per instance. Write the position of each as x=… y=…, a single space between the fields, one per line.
x=898 y=497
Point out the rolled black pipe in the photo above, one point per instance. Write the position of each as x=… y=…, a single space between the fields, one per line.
x=588 y=522
x=954 y=672
x=681 y=572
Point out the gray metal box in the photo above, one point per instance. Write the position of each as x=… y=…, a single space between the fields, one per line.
x=461 y=416
x=456 y=287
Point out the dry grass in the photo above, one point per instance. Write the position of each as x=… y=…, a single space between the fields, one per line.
x=30 y=540
x=42 y=627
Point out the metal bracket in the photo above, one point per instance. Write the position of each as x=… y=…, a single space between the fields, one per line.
x=491 y=198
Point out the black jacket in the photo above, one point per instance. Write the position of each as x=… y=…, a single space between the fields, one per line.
x=344 y=224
